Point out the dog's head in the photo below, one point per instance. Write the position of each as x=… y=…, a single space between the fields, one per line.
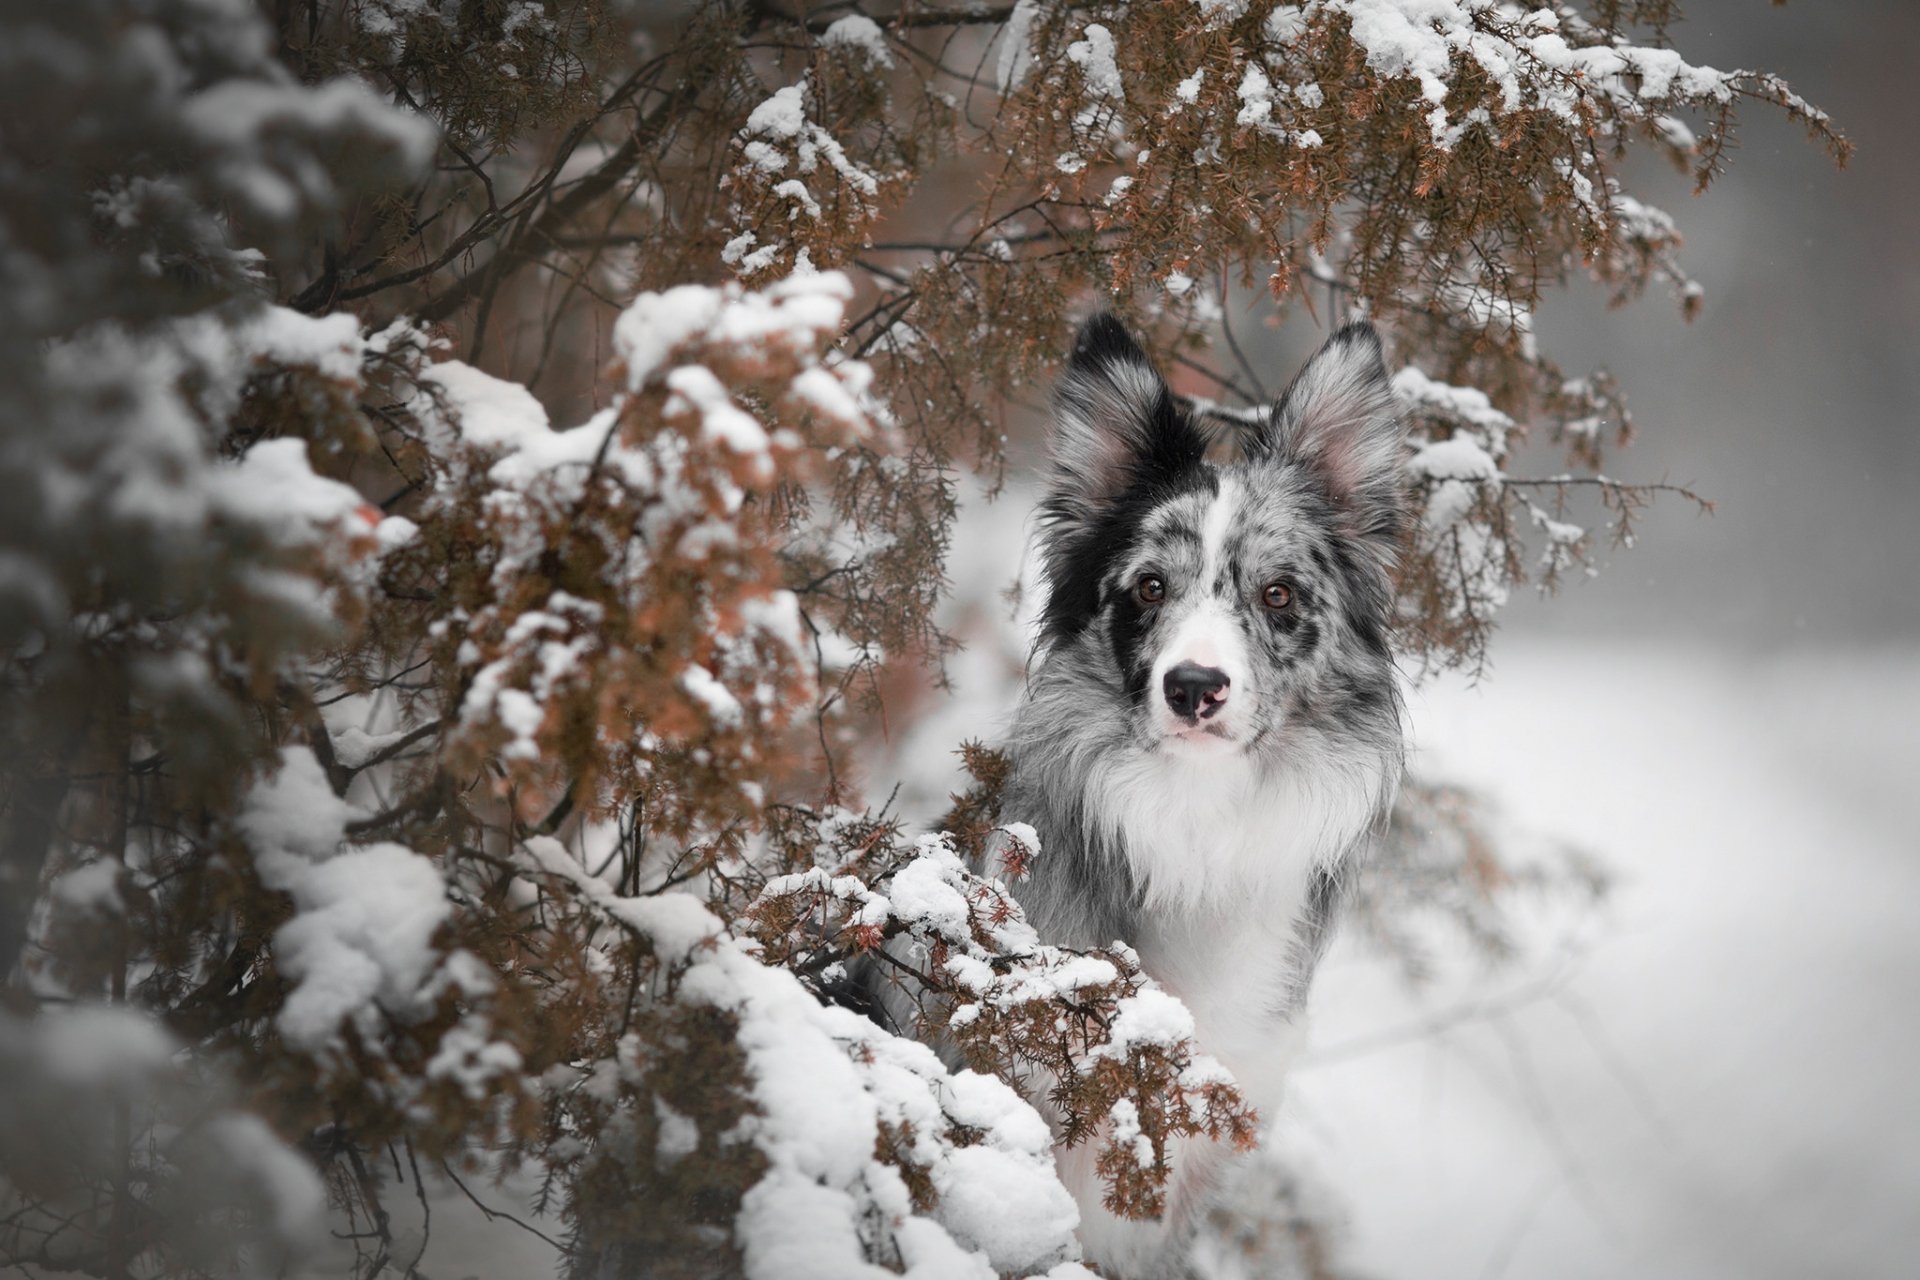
x=1231 y=601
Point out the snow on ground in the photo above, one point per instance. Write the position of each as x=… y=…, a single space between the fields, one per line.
x=1725 y=1086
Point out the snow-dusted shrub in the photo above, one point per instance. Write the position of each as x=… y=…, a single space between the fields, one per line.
x=472 y=474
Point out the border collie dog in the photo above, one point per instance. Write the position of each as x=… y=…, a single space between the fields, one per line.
x=1212 y=732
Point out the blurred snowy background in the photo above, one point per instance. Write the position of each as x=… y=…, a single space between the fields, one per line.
x=1713 y=1074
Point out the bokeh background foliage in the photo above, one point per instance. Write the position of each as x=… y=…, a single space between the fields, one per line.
x=479 y=479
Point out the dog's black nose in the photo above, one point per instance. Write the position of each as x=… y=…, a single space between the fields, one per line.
x=1193 y=691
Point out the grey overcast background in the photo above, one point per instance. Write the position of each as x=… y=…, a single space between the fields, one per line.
x=1792 y=400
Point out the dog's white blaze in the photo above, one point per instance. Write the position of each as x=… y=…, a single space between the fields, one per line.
x=1207 y=634
x=1213 y=533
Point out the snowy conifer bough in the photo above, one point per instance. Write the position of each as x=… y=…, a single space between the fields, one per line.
x=474 y=473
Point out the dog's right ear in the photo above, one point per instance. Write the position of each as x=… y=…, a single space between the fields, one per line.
x=1115 y=425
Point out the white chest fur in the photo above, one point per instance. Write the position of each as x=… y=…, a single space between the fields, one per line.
x=1224 y=851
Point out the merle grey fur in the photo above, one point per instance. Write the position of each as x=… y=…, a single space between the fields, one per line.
x=1324 y=470
x=1315 y=503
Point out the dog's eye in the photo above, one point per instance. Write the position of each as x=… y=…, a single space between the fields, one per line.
x=1277 y=595
x=1150 y=589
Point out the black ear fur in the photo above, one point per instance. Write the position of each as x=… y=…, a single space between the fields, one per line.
x=1115 y=425
x=1340 y=420
x=1117 y=436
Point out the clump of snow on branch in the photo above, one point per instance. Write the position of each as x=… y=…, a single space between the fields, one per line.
x=862 y=35
x=1543 y=60
x=963 y=963
x=360 y=945
x=145 y=488
x=671 y=464
x=968 y=1187
x=797 y=191
x=1472 y=509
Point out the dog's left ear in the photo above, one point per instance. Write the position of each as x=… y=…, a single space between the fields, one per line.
x=1341 y=421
